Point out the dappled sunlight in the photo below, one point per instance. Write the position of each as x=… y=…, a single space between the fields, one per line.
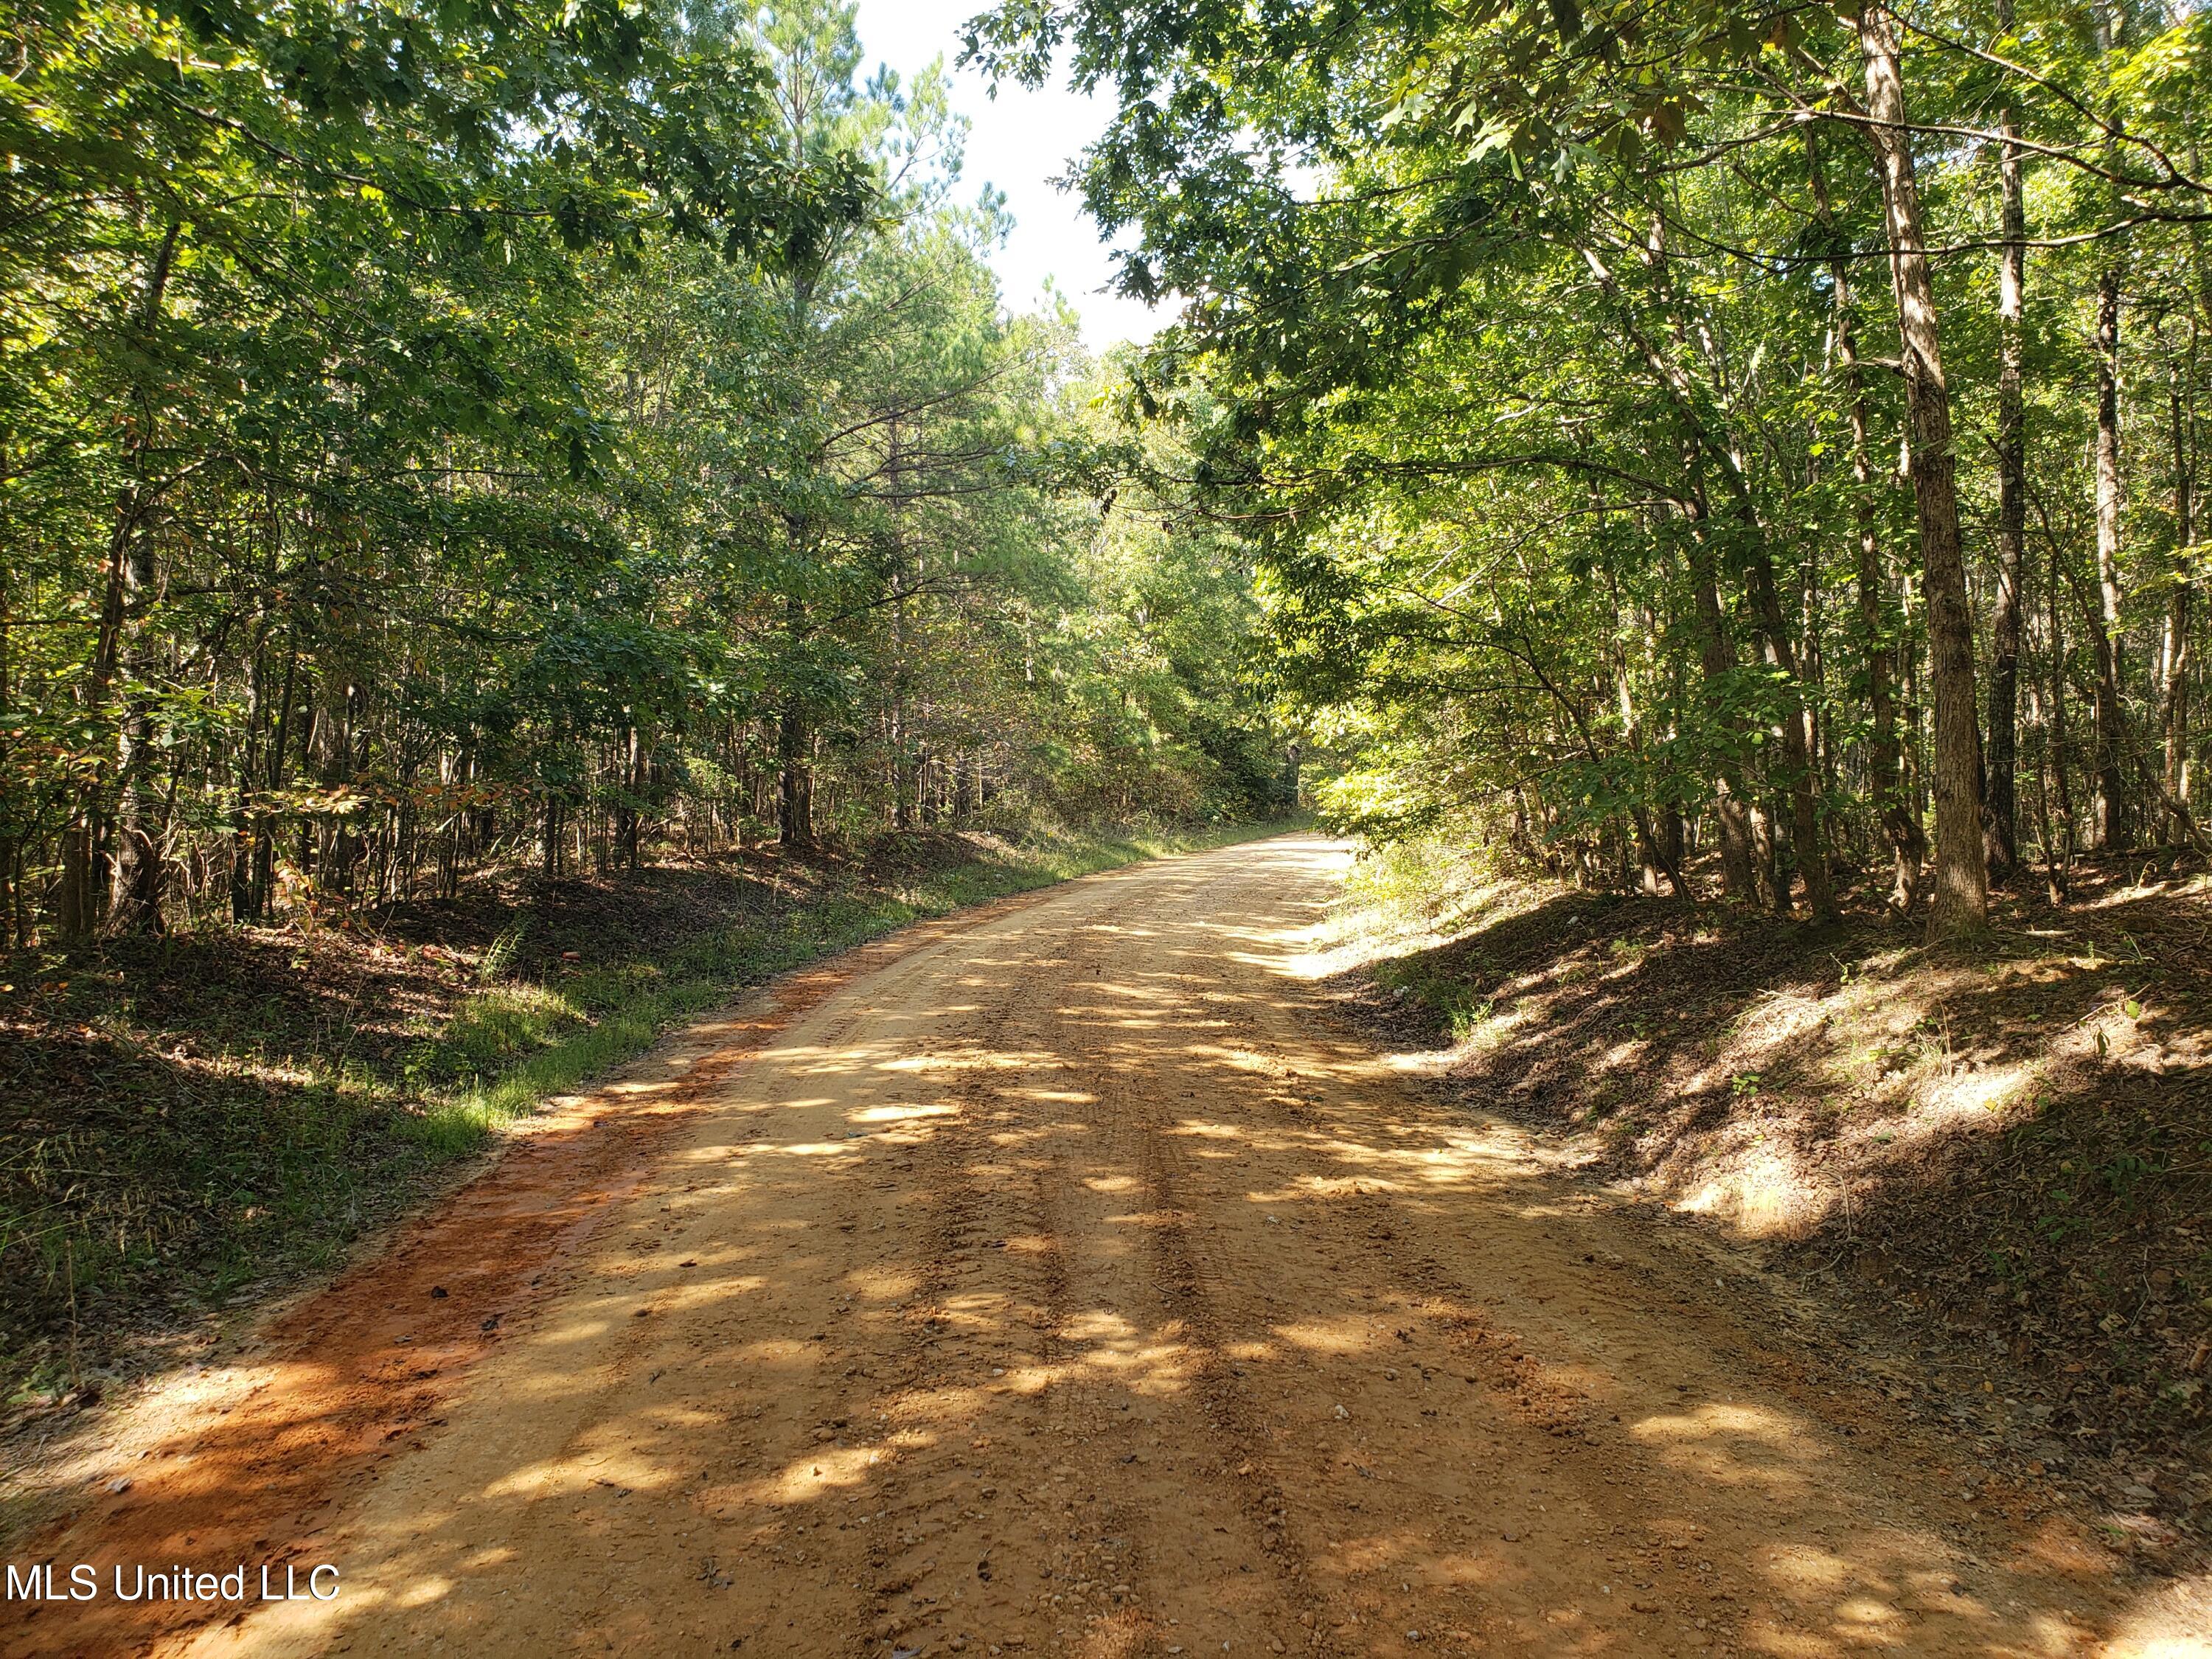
x=1328 y=1340
x=1115 y=1332
x=803 y=1149
x=1734 y=1445
x=1803 y=1568
x=634 y=1090
x=822 y=1472
x=578 y=1471
x=901 y=1114
x=423 y=1592
x=2172 y=1620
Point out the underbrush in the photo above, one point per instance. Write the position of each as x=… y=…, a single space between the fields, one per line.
x=188 y=1120
x=2004 y=1150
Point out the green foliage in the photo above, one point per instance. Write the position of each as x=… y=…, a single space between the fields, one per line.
x=1544 y=353
x=430 y=439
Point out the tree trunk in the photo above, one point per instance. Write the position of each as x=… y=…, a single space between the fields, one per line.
x=1885 y=762
x=134 y=869
x=1655 y=862
x=75 y=913
x=964 y=786
x=134 y=893
x=794 y=811
x=1775 y=645
x=1700 y=438
x=2173 y=647
x=1961 y=904
x=2058 y=854
x=2108 y=823
x=903 y=783
x=1730 y=815
x=1811 y=866
x=244 y=831
x=633 y=781
x=2012 y=504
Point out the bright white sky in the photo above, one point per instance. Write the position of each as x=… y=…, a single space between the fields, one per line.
x=1017 y=142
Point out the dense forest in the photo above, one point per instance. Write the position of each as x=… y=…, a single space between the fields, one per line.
x=537 y=432
x=436 y=438
x=545 y=573
x=1772 y=432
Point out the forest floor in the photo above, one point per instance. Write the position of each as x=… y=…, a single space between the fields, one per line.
x=191 y=1124
x=1074 y=1276
x=1997 y=1160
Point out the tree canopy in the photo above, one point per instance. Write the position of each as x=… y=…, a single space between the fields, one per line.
x=1691 y=426
x=1629 y=434
x=436 y=434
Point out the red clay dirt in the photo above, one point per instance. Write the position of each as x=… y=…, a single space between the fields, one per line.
x=348 y=1378
x=1065 y=1280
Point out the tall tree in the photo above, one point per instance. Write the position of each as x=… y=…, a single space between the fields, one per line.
x=1960 y=904
x=2011 y=445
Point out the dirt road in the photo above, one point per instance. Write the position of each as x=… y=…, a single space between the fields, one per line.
x=1069 y=1283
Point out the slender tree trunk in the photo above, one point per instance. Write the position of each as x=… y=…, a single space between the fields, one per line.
x=11 y=846
x=134 y=869
x=2060 y=855
x=134 y=897
x=2012 y=501
x=1731 y=807
x=964 y=786
x=2108 y=823
x=794 y=816
x=1731 y=814
x=633 y=780
x=1773 y=888
x=1655 y=862
x=1775 y=645
x=2108 y=827
x=265 y=835
x=1796 y=756
x=2173 y=647
x=1776 y=648
x=905 y=781
x=1961 y=904
x=1900 y=825
x=243 y=828
x=794 y=748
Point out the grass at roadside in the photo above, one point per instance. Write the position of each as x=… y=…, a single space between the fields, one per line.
x=188 y=1122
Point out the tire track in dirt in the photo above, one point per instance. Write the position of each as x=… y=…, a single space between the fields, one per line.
x=1043 y=1566
x=1539 y=1428
x=899 y=1534
x=1164 y=1284
x=992 y=1218
x=1549 y=1377
x=1178 y=1280
x=1076 y=1287
x=1190 y=1279
x=1133 y=1107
